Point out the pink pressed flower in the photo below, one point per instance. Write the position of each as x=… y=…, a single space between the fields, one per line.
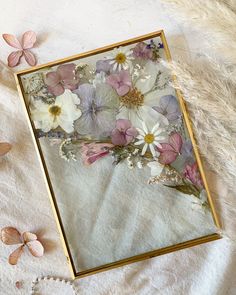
x=91 y=152
x=121 y=82
x=142 y=51
x=27 y=42
x=124 y=133
x=63 y=78
x=192 y=173
x=11 y=236
x=170 y=151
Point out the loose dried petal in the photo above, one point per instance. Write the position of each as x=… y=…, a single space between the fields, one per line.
x=14 y=58
x=13 y=258
x=28 y=39
x=28 y=237
x=35 y=248
x=29 y=57
x=12 y=41
x=4 y=148
x=10 y=236
x=19 y=284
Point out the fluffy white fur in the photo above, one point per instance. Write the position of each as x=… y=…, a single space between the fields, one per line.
x=215 y=20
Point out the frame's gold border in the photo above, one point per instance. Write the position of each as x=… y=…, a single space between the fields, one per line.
x=56 y=212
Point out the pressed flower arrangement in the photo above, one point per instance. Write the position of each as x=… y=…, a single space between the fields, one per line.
x=118 y=107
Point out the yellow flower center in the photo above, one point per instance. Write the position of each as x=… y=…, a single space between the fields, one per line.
x=134 y=98
x=55 y=110
x=120 y=58
x=149 y=138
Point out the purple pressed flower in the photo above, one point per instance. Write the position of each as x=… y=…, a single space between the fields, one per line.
x=124 y=133
x=99 y=106
x=121 y=82
x=63 y=78
x=187 y=151
x=192 y=173
x=168 y=107
x=103 y=66
x=141 y=50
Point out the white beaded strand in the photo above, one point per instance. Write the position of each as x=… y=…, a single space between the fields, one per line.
x=35 y=283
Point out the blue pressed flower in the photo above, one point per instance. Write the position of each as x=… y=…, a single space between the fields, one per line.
x=99 y=107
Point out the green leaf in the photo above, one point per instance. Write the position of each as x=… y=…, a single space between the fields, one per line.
x=187 y=189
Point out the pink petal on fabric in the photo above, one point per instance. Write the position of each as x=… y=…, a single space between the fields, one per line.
x=35 y=248
x=10 y=236
x=28 y=237
x=28 y=39
x=12 y=41
x=13 y=258
x=30 y=57
x=4 y=148
x=14 y=58
x=122 y=90
x=176 y=141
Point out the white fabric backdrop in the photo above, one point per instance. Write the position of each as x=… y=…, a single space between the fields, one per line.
x=65 y=28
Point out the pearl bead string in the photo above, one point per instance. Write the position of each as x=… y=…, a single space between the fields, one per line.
x=35 y=283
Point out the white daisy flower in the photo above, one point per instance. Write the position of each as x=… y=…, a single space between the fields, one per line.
x=63 y=112
x=150 y=139
x=121 y=58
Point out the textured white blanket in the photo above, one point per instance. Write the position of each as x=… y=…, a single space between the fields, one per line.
x=65 y=28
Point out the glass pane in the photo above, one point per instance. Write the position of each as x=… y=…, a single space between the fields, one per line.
x=118 y=154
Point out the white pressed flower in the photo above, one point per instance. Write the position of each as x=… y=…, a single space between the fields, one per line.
x=156 y=168
x=150 y=139
x=63 y=112
x=147 y=89
x=121 y=58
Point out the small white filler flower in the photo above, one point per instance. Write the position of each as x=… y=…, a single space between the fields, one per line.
x=150 y=139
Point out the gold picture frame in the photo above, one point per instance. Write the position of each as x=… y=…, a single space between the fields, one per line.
x=53 y=200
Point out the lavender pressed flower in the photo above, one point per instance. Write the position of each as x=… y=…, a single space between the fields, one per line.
x=168 y=106
x=99 y=107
